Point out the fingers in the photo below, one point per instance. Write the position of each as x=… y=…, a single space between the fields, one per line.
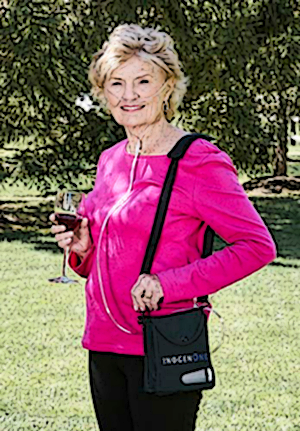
x=155 y=299
x=82 y=235
x=56 y=228
x=157 y=292
x=63 y=238
x=147 y=292
x=78 y=240
x=84 y=224
x=64 y=243
x=82 y=227
x=137 y=292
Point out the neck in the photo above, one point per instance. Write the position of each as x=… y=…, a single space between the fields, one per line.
x=151 y=136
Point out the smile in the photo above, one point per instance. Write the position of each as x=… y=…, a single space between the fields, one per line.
x=132 y=108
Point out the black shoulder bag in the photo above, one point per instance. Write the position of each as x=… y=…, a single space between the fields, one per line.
x=177 y=356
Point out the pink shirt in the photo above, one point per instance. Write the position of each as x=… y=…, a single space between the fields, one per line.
x=206 y=192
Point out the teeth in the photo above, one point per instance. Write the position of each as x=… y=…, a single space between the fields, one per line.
x=132 y=108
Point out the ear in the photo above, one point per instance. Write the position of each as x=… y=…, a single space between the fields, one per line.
x=170 y=86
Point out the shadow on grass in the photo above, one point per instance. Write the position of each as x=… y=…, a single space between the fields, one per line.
x=282 y=216
x=28 y=221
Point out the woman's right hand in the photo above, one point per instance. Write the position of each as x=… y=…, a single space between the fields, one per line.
x=78 y=241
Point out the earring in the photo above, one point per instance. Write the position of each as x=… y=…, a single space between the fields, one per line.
x=165 y=106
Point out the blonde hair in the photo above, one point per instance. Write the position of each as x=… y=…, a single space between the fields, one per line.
x=150 y=45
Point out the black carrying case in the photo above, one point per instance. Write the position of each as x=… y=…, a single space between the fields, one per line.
x=177 y=356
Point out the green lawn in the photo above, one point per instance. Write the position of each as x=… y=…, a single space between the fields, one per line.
x=43 y=368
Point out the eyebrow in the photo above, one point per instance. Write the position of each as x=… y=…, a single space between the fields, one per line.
x=138 y=77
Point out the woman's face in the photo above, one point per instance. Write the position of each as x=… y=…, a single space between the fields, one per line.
x=135 y=92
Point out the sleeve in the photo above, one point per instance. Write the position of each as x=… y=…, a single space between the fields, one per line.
x=83 y=267
x=220 y=200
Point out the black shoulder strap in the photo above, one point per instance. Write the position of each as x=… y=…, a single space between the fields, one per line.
x=179 y=149
x=175 y=154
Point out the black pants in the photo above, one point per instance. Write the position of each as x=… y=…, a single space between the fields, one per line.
x=121 y=405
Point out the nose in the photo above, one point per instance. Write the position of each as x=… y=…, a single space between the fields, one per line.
x=129 y=92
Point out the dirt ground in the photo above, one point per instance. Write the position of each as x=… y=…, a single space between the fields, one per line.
x=273 y=185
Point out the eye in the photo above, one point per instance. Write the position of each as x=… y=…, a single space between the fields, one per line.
x=145 y=81
x=116 y=83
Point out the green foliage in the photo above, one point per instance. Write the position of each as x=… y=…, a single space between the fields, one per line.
x=43 y=73
x=242 y=58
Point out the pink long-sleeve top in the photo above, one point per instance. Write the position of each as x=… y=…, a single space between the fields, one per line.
x=206 y=192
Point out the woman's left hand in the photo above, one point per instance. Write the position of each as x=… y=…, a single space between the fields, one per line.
x=147 y=291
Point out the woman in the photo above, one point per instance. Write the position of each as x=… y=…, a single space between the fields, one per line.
x=138 y=75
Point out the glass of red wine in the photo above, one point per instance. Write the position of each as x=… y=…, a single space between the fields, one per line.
x=65 y=209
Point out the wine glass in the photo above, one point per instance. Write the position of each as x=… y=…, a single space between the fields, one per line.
x=65 y=209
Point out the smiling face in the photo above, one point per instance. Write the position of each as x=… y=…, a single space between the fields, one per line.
x=135 y=92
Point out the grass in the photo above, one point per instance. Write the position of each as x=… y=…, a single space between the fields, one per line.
x=258 y=369
x=43 y=368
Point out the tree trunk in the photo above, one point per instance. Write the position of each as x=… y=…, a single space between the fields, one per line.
x=281 y=149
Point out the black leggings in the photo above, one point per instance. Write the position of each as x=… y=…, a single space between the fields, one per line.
x=121 y=405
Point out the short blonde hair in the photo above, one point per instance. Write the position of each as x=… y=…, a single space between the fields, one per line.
x=150 y=45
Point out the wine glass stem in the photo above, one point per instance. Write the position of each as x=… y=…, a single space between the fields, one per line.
x=66 y=251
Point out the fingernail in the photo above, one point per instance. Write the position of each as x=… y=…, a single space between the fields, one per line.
x=135 y=308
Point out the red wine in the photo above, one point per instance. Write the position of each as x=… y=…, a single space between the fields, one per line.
x=69 y=220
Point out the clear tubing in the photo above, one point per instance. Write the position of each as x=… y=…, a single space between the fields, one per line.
x=117 y=205
x=143 y=98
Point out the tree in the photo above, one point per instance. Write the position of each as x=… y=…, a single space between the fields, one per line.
x=225 y=47
x=277 y=65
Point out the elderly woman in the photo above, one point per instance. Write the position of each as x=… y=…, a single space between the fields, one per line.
x=138 y=75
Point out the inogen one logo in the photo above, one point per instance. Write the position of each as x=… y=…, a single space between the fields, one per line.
x=184 y=359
